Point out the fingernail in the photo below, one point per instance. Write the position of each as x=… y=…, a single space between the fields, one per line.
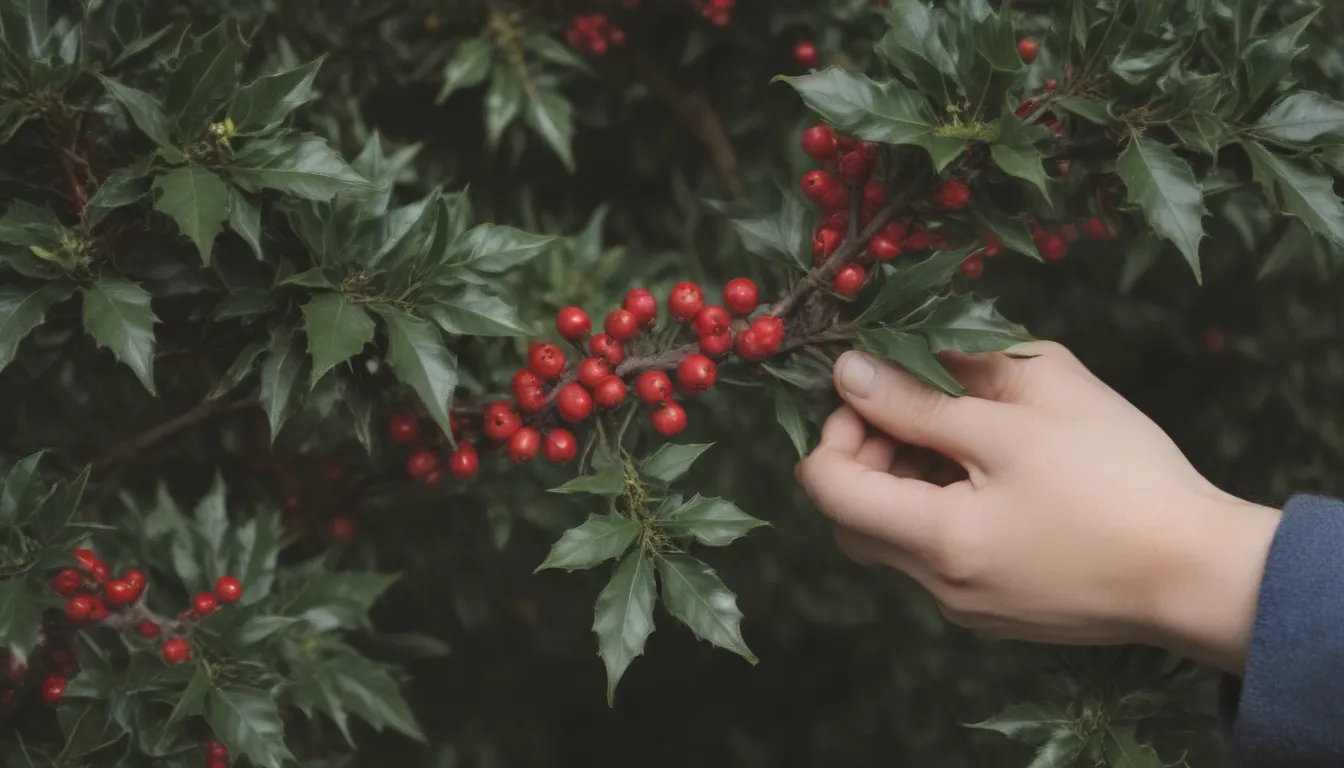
x=857 y=373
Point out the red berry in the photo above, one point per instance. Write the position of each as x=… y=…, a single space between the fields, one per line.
x=895 y=231
x=67 y=582
x=118 y=592
x=79 y=608
x=606 y=349
x=837 y=220
x=769 y=332
x=421 y=463
x=869 y=150
x=643 y=305
x=574 y=403
x=711 y=320
x=918 y=239
x=805 y=54
x=343 y=528
x=993 y=246
x=874 y=195
x=696 y=373
x=573 y=324
x=53 y=688
x=524 y=444
x=716 y=344
x=1097 y=229
x=951 y=194
x=1050 y=84
x=175 y=650
x=835 y=199
x=531 y=400
x=854 y=168
x=653 y=387
x=748 y=346
x=610 y=392
x=402 y=429
x=849 y=280
x=1051 y=245
x=432 y=478
x=560 y=447
x=1028 y=48
x=973 y=266
x=500 y=424
x=819 y=142
x=884 y=248
x=86 y=558
x=228 y=589
x=621 y=325
x=669 y=419
x=592 y=371
x=464 y=462
x=216 y=751
x=824 y=243
x=1025 y=109
x=817 y=183
x=526 y=379
x=204 y=604
x=546 y=360
x=740 y=296
x=99 y=572
x=685 y=301
x=845 y=143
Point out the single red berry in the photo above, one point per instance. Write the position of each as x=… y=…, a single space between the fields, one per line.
x=610 y=392
x=896 y=231
x=67 y=582
x=668 y=419
x=805 y=54
x=716 y=344
x=118 y=592
x=817 y=183
x=99 y=572
x=204 y=604
x=869 y=150
x=874 y=195
x=769 y=332
x=845 y=143
x=824 y=243
x=696 y=373
x=993 y=246
x=524 y=444
x=1051 y=245
x=525 y=379
x=740 y=296
x=592 y=371
x=748 y=347
x=228 y=589
x=53 y=688
x=216 y=751
x=531 y=400
x=854 y=168
x=148 y=628
x=973 y=266
x=99 y=611
x=711 y=320
x=918 y=239
x=560 y=447
x=643 y=305
x=1025 y=109
x=606 y=349
x=1096 y=229
x=78 y=608
x=420 y=463
x=342 y=528
x=1028 y=48
x=1050 y=85
x=500 y=424
x=653 y=387
x=685 y=301
x=849 y=280
x=836 y=198
x=573 y=324
x=546 y=360
x=621 y=325
x=86 y=558
x=951 y=194
x=573 y=403
x=464 y=462
x=402 y=429
x=175 y=650
x=837 y=220
x=884 y=248
x=819 y=142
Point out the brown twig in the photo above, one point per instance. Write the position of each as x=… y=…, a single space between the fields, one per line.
x=204 y=410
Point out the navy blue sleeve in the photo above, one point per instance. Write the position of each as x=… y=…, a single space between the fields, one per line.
x=1288 y=709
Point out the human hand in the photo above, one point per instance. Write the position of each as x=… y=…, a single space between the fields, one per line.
x=1042 y=506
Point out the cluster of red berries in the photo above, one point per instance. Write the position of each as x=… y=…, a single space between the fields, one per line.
x=594 y=34
x=716 y=12
x=176 y=650
x=13 y=673
x=90 y=593
x=216 y=755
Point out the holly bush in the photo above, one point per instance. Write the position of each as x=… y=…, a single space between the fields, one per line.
x=305 y=406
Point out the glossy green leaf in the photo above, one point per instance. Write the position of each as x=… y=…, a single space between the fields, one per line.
x=914 y=45
x=697 y=597
x=671 y=461
x=477 y=312
x=1165 y=189
x=367 y=690
x=1299 y=190
x=338 y=600
x=1090 y=109
x=247 y=721
x=598 y=539
x=1059 y=752
x=549 y=114
x=337 y=331
x=1122 y=747
x=623 y=616
x=24 y=308
x=198 y=201
x=503 y=102
x=713 y=522
x=1014 y=150
x=1033 y=723
x=908 y=284
x=118 y=317
x=264 y=102
x=467 y=68
x=910 y=351
x=121 y=188
x=303 y=166
x=21 y=606
x=605 y=481
x=495 y=248
x=204 y=79
x=260 y=628
x=1202 y=132
x=783 y=236
x=145 y=111
x=280 y=373
x=1011 y=231
x=245 y=219
x=19 y=489
x=970 y=324
x=191 y=702
x=1302 y=118
x=421 y=361
x=789 y=412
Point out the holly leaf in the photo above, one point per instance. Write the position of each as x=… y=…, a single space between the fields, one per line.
x=467 y=67
x=908 y=284
x=713 y=522
x=205 y=78
x=1014 y=150
x=23 y=309
x=911 y=352
x=1060 y=751
x=256 y=551
x=118 y=317
x=697 y=597
x=1165 y=189
x=1011 y=231
x=145 y=111
x=240 y=369
x=1122 y=747
x=247 y=720
x=368 y=691
x=782 y=236
x=623 y=616
x=970 y=324
x=21 y=604
x=245 y=219
x=915 y=47
x=198 y=201
x=263 y=103
x=1202 y=132
x=495 y=248
x=598 y=539
x=338 y=599
x=503 y=101
x=421 y=361
x=1092 y=110
x=1304 y=117
x=121 y=188
x=1299 y=190
x=1033 y=723
x=671 y=461
x=259 y=628
x=606 y=481
x=304 y=166
x=337 y=330
x=477 y=312
x=192 y=700
x=18 y=490
x=789 y=414
x=279 y=373
x=551 y=116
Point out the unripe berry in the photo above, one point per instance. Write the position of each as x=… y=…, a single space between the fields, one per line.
x=817 y=183
x=819 y=142
x=668 y=419
x=342 y=528
x=573 y=403
x=643 y=305
x=621 y=325
x=573 y=324
x=740 y=296
x=1028 y=48
x=748 y=347
x=500 y=424
x=175 y=651
x=67 y=582
x=402 y=429
x=592 y=371
x=546 y=360
x=606 y=349
x=149 y=628
x=53 y=688
x=973 y=266
x=849 y=279
x=696 y=373
x=884 y=248
x=118 y=593
x=716 y=344
x=653 y=387
x=204 y=604
x=420 y=463
x=685 y=301
x=951 y=194
x=524 y=444
x=228 y=589
x=874 y=195
x=78 y=608
x=854 y=168
x=805 y=54
x=769 y=332
x=610 y=392
x=711 y=320
x=824 y=243
x=560 y=447
x=464 y=462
